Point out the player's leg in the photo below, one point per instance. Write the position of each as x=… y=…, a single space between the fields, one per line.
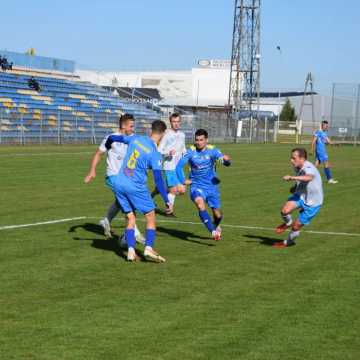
x=286 y=210
x=113 y=209
x=130 y=236
x=198 y=196
x=213 y=200
x=141 y=200
x=307 y=213
x=149 y=251
x=294 y=233
x=328 y=173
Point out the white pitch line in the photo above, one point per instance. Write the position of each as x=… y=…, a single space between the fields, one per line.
x=248 y=227
x=7 y=227
x=46 y=154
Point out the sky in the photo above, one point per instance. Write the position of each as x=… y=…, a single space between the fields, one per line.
x=315 y=36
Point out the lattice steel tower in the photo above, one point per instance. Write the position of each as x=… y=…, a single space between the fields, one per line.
x=244 y=90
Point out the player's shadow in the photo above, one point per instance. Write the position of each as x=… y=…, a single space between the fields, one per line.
x=263 y=240
x=94 y=228
x=111 y=244
x=185 y=235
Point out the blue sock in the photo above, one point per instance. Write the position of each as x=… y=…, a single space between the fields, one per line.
x=150 y=236
x=217 y=221
x=206 y=220
x=327 y=172
x=130 y=237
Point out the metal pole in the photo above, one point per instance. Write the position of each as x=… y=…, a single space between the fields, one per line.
x=59 y=128
x=356 y=120
x=22 y=129
x=266 y=129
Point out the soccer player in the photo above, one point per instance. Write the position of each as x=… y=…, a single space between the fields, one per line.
x=318 y=144
x=172 y=147
x=131 y=185
x=202 y=159
x=307 y=196
x=114 y=160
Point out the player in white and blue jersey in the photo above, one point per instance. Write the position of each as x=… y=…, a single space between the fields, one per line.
x=307 y=196
x=172 y=147
x=318 y=145
x=131 y=189
x=204 y=189
x=114 y=160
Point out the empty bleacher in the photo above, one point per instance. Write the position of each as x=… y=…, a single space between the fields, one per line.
x=64 y=110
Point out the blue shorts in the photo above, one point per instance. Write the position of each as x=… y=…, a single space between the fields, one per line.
x=210 y=196
x=110 y=181
x=131 y=199
x=321 y=157
x=171 y=178
x=307 y=213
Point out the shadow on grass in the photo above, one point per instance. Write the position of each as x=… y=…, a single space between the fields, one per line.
x=94 y=228
x=111 y=244
x=185 y=235
x=264 y=240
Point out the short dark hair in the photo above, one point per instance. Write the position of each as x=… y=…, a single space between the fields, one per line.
x=200 y=132
x=158 y=127
x=125 y=118
x=324 y=122
x=301 y=152
x=174 y=115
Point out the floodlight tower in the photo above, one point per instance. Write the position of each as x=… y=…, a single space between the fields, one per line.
x=244 y=89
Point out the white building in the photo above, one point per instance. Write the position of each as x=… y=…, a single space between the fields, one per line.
x=207 y=84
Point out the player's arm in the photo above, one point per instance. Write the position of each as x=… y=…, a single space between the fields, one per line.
x=94 y=162
x=180 y=169
x=156 y=166
x=220 y=157
x=302 y=178
x=313 y=144
x=164 y=149
x=328 y=141
x=117 y=138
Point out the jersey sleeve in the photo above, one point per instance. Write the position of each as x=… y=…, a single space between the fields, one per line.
x=155 y=161
x=163 y=146
x=102 y=146
x=180 y=166
x=118 y=138
x=216 y=154
x=310 y=171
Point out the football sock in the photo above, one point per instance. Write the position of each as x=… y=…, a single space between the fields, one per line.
x=171 y=198
x=327 y=172
x=130 y=237
x=293 y=235
x=150 y=237
x=287 y=219
x=217 y=221
x=112 y=212
x=206 y=220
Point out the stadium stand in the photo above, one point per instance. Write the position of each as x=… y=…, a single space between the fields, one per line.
x=64 y=110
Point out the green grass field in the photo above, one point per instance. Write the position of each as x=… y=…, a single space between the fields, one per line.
x=67 y=294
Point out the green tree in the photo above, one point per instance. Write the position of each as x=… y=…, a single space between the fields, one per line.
x=288 y=112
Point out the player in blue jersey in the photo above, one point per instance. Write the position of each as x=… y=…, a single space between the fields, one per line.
x=318 y=145
x=202 y=159
x=130 y=185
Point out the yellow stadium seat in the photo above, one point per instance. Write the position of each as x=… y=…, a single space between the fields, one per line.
x=27 y=92
x=65 y=108
x=77 y=96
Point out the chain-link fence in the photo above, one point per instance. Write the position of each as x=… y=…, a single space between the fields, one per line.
x=25 y=128
x=345 y=113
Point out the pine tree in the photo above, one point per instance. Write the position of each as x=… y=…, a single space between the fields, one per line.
x=288 y=112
